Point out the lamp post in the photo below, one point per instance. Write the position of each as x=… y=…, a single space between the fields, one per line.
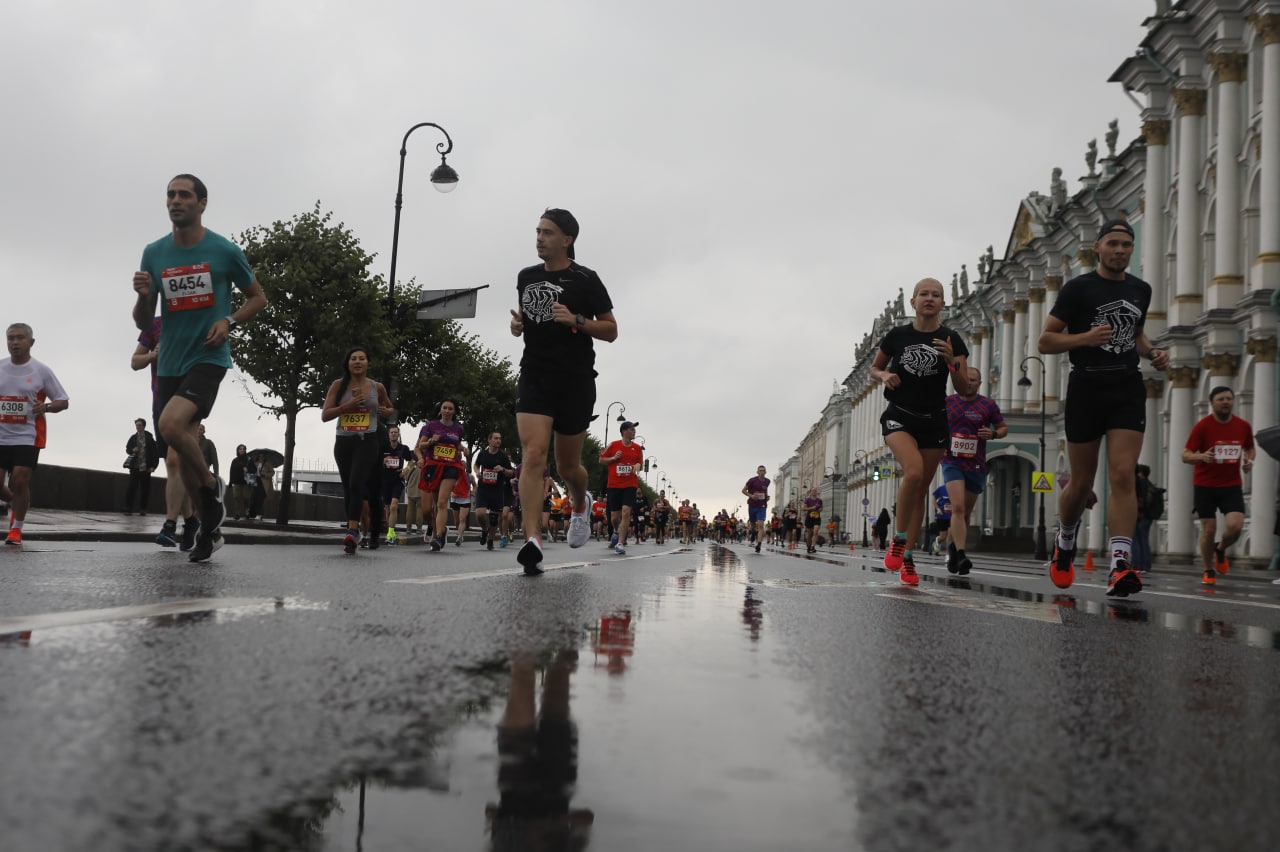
x=650 y=462
x=1042 y=549
x=604 y=441
x=860 y=457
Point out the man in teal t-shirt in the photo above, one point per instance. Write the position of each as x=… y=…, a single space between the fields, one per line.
x=190 y=273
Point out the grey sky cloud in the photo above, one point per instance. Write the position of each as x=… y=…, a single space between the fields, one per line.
x=753 y=181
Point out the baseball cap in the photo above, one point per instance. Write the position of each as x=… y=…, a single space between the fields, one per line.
x=627 y=424
x=1115 y=225
x=564 y=221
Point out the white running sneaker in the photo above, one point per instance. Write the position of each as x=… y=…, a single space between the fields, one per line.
x=580 y=524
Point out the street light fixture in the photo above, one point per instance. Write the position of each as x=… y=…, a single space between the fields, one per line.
x=443 y=178
x=651 y=462
x=1042 y=547
x=861 y=456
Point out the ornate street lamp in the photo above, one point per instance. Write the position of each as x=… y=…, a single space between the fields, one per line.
x=1042 y=549
x=860 y=457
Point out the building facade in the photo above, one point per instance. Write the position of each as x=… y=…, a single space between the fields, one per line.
x=1201 y=187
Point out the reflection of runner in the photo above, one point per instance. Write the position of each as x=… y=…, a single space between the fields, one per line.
x=913 y=362
x=1098 y=319
x=972 y=420
x=1220 y=446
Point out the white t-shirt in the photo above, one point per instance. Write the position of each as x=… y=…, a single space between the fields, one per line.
x=21 y=387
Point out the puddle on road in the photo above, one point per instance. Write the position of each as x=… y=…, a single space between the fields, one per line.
x=634 y=739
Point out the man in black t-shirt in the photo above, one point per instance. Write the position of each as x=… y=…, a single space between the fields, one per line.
x=1098 y=319
x=562 y=307
x=395 y=463
x=493 y=473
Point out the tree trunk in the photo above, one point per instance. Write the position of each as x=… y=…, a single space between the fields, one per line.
x=286 y=480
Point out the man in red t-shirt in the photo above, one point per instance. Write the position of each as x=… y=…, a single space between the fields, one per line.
x=623 y=459
x=1221 y=447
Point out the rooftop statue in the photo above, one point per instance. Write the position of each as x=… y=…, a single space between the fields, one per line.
x=1091 y=157
x=1113 y=134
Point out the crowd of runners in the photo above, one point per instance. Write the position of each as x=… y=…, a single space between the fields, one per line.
x=1097 y=321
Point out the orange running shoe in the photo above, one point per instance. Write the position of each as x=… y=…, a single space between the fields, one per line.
x=1061 y=571
x=909 y=575
x=14 y=538
x=1124 y=581
x=1220 y=560
x=893 y=556
x=1210 y=578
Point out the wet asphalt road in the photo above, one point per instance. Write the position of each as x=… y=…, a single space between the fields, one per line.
x=705 y=698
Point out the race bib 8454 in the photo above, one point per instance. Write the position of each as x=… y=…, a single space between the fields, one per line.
x=188 y=288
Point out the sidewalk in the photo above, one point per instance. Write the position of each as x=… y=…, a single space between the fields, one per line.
x=64 y=525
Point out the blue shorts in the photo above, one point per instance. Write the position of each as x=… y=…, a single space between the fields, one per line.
x=755 y=513
x=974 y=481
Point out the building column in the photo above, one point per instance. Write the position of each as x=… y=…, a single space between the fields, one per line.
x=1222 y=368
x=1262 y=492
x=975 y=356
x=1188 y=299
x=1228 y=275
x=988 y=344
x=1087 y=258
x=1267 y=267
x=1151 y=454
x=1035 y=322
x=1019 y=351
x=1008 y=364
x=1052 y=363
x=1155 y=187
x=1183 y=538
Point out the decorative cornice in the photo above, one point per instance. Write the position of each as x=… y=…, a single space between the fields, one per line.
x=1036 y=296
x=1190 y=102
x=1142 y=204
x=1227 y=281
x=1019 y=306
x=1157 y=315
x=1156 y=131
x=1221 y=363
x=1263 y=349
x=1230 y=67
x=1087 y=257
x=1053 y=282
x=1155 y=388
x=1188 y=299
x=1007 y=316
x=1183 y=377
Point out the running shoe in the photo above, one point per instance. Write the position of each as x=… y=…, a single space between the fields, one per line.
x=190 y=529
x=613 y=540
x=206 y=544
x=168 y=535
x=964 y=565
x=530 y=558
x=953 y=564
x=391 y=537
x=580 y=524
x=1220 y=560
x=372 y=541
x=757 y=547
x=364 y=542
x=457 y=542
x=488 y=543
x=1210 y=577
x=349 y=541
x=1124 y=581
x=620 y=550
x=14 y=538
x=212 y=510
x=503 y=541
x=909 y=575
x=437 y=544
x=893 y=556
x=1061 y=571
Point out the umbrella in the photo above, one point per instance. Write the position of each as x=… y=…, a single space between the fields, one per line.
x=273 y=457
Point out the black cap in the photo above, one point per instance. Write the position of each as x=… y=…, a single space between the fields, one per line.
x=565 y=222
x=1115 y=225
x=627 y=424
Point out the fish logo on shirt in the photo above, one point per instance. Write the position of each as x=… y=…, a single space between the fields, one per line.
x=919 y=359
x=1123 y=317
x=537 y=299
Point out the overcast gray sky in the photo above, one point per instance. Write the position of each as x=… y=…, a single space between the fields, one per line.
x=753 y=179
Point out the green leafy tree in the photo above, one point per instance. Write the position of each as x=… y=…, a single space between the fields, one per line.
x=321 y=301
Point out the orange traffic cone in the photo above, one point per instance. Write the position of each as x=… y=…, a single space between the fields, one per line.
x=851 y=545
x=1088 y=561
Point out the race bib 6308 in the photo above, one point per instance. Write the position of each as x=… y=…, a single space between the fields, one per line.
x=14 y=409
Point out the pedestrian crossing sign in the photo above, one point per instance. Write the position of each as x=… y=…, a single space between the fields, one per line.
x=1041 y=482
x=886 y=473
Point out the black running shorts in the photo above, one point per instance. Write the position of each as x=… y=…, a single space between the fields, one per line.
x=1209 y=501
x=1101 y=401
x=929 y=430
x=22 y=455
x=199 y=385
x=567 y=399
x=620 y=497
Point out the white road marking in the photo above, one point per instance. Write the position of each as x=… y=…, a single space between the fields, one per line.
x=516 y=571
x=45 y=621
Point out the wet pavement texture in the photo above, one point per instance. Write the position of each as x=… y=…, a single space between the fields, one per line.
x=678 y=698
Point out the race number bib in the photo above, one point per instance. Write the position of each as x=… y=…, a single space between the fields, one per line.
x=815 y=514
x=188 y=288
x=625 y=469
x=964 y=446
x=444 y=451
x=391 y=462
x=1226 y=453
x=355 y=421
x=14 y=409
x=489 y=477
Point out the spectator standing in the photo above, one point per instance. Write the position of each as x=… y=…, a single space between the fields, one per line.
x=144 y=455
x=208 y=450
x=1150 y=507
x=238 y=479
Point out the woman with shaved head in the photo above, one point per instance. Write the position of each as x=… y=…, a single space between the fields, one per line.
x=913 y=363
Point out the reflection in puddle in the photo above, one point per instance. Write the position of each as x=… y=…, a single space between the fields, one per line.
x=646 y=747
